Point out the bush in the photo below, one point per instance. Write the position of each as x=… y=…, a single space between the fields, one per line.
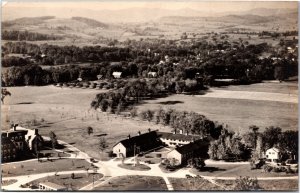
x=267 y=168
x=246 y=183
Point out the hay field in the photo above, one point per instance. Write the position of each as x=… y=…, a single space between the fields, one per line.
x=264 y=104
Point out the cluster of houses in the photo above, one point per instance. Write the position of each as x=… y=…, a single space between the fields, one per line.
x=19 y=142
x=183 y=146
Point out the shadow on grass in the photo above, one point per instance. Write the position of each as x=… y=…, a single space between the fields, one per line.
x=100 y=135
x=212 y=169
x=170 y=102
x=25 y=103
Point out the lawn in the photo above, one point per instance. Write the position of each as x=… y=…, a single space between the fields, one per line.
x=35 y=167
x=139 y=167
x=193 y=184
x=79 y=181
x=235 y=170
x=67 y=112
x=269 y=185
x=258 y=104
x=134 y=183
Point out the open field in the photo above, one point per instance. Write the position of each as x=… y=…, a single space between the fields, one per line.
x=270 y=185
x=78 y=182
x=67 y=112
x=265 y=104
x=35 y=167
x=236 y=170
x=133 y=183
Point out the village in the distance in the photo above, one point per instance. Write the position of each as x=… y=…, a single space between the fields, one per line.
x=115 y=96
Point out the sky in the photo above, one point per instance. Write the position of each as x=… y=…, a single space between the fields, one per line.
x=172 y=5
x=13 y=10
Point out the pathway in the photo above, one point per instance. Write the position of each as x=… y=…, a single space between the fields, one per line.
x=110 y=169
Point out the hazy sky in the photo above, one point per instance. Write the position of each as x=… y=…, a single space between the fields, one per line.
x=92 y=9
x=197 y=5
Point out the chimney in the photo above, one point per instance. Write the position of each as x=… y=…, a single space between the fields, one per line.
x=139 y=133
x=15 y=127
x=36 y=132
x=128 y=136
x=187 y=133
x=149 y=130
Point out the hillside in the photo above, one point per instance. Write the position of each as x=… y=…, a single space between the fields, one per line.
x=27 y=21
x=90 y=22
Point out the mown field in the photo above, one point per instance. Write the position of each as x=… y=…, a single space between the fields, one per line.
x=264 y=104
x=134 y=183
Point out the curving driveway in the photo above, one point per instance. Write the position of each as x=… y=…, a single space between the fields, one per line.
x=111 y=169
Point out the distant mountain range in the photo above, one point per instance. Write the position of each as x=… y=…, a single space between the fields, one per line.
x=137 y=14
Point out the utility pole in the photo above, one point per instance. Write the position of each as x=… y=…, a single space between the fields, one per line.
x=134 y=146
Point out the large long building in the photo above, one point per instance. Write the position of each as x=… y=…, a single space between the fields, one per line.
x=18 y=142
x=137 y=144
x=13 y=144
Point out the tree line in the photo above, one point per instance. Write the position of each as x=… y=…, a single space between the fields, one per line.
x=27 y=36
x=35 y=75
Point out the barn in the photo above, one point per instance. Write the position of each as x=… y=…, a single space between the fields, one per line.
x=137 y=144
x=194 y=149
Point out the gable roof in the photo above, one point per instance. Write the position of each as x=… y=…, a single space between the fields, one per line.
x=274 y=149
x=139 y=139
x=180 y=137
x=193 y=146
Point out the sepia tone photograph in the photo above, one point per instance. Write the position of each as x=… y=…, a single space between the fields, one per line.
x=149 y=96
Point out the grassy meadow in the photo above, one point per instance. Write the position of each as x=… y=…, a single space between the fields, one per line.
x=67 y=112
x=264 y=104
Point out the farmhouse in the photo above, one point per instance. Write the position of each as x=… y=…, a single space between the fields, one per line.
x=34 y=140
x=194 y=149
x=134 y=145
x=273 y=154
x=174 y=139
x=117 y=74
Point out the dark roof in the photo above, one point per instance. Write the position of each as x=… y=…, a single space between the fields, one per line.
x=193 y=146
x=181 y=137
x=11 y=131
x=140 y=139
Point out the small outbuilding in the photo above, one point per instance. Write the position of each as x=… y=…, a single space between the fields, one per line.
x=152 y=74
x=117 y=74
